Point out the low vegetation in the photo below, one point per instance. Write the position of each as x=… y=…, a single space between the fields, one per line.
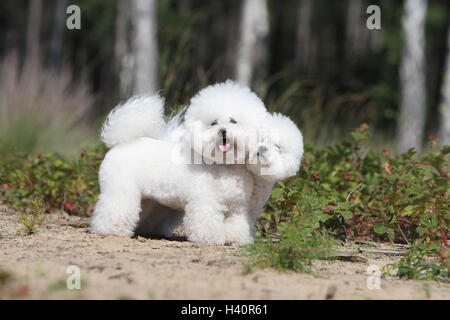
x=70 y=184
x=350 y=191
x=345 y=191
x=32 y=218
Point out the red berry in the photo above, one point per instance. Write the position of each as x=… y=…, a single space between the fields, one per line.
x=69 y=206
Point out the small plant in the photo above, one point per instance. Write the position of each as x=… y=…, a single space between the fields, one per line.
x=32 y=219
x=421 y=263
x=297 y=243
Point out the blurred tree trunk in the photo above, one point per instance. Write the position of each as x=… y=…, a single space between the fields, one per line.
x=233 y=24
x=356 y=30
x=56 y=42
x=122 y=50
x=303 y=49
x=33 y=30
x=185 y=5
x=444 y=133
x=412 y=77
x=145 y=46
x=252 y=53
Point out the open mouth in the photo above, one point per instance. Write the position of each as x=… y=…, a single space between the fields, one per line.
x=225 y=146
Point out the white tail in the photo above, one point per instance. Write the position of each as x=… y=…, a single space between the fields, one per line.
x=174 y=127
x=140 y=116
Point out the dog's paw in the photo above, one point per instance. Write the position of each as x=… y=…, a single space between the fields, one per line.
x=238 y=231
x=239 y=243
x=217 y=239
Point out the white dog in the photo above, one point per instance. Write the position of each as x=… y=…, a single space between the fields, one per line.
x=275 y=156
x=220 y=201
x=215 y=197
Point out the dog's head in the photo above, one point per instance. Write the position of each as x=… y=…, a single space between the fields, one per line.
x=276 y=154
x=218 y=120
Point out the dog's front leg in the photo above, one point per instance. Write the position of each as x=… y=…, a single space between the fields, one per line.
x=204 y=222
x=239 y=228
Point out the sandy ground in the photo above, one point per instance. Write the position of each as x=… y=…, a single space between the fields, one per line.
x=35 y=267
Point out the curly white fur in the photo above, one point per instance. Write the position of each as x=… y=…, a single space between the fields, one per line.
x=276 y=155
x=140 y=116
x=217 y=203
x=215 y=198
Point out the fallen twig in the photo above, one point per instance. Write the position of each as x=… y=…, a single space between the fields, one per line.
x=382 y=251
x=375 y=221
x=101 y=268
x=351 y=256
x=124 y=275
x=426 y=163
x=404 y=237
x=353 y=190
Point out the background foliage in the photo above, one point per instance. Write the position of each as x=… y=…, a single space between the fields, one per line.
x=337 y=90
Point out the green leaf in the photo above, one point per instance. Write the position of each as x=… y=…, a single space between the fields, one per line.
x=407 y=211
x=347 y=214
x=379 y=229
x=324 y=217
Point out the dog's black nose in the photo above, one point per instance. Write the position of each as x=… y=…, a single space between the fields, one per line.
x=262 y=149
x=223 y=132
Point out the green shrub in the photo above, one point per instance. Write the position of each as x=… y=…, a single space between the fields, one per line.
x=421 y=263
x=296 y=245
x=352 y=191
x=69 y=184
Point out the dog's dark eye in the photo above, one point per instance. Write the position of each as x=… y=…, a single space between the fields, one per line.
x=232 y=120
x=277 y=146
x=214 y=123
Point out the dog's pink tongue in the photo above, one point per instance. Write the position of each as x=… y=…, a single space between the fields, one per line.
x=224 y=147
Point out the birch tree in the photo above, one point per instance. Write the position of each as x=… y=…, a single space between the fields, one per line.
x=123 y=48
x=252 y=48
x=145 y=46
x=34 y=29
x=412 y=77
x=56 y=42
x=356 y=30
x=444 y=132
x=303 y=49
x=233 y=24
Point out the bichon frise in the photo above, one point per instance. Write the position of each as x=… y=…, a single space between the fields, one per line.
x=276 y=155
x=209 y=192
x=275 y=152
x=217 y=200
